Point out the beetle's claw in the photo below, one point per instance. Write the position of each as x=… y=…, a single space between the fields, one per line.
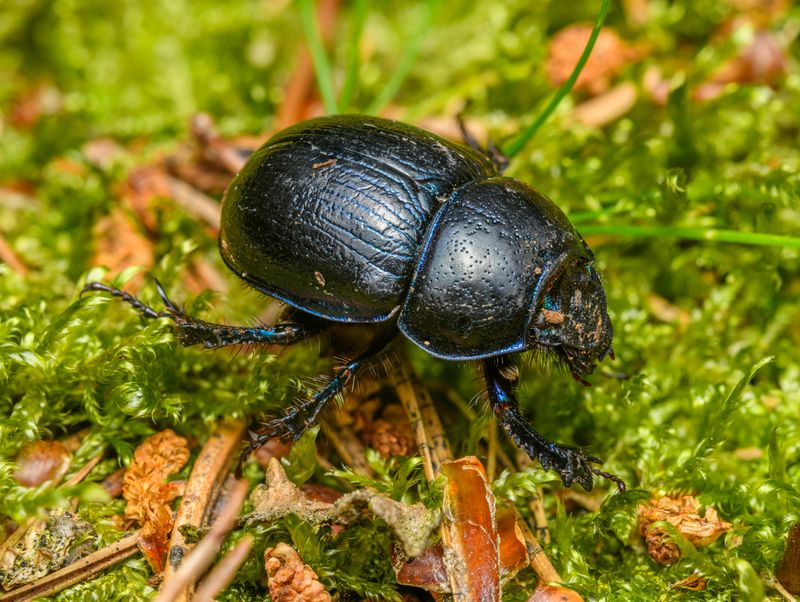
x=574 y=466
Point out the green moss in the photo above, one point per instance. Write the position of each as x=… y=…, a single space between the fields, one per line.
x=693 y=314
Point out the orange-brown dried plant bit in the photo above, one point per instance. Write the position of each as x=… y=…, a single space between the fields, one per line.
x=388 y=441
x=290 y=579
x=681 y=513
x=147 y=492
x=609 y=57
x=41 y=461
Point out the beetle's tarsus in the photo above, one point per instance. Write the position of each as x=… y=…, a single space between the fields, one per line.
x=492 y=151
x=140 y=306
x=572 y=464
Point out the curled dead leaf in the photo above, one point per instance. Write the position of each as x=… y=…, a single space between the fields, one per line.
x=41 y=461
x=694 y=582
x=290 y=579
x=681 y=513
x=148 y=493
x=609 y=57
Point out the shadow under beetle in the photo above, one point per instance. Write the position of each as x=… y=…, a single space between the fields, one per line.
x=356 y=219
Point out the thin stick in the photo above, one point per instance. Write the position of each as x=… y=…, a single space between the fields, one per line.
x=519 y=143
x=537 y=507
x=491 y=452
x=196 y=203
x=425 y=424
x=349 y=448
x=540 y=563
x=223 y=573
x=9 y=257
x=208 y=473
x=80 y=570
x=195 y=564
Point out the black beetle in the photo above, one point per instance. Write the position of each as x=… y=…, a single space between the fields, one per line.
x=357 y=219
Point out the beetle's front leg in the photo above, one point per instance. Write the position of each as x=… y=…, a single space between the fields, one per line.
x=192 y=331
x=572 y=464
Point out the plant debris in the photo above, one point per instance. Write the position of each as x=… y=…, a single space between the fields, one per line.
x=681 y=513
x=41 y=461
x=50 y=544
x=412 y=524
x=291 y=580
x=148 y=493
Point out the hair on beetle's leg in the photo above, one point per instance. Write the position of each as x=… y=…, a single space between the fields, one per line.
x=294 y=423
x=572 y=464
x=193 y=331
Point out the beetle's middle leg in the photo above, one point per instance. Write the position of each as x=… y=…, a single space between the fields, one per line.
x=303 y=415
x=193 y=331
x=571 y=463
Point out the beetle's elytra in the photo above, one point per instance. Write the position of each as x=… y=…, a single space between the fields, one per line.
x=357 y=219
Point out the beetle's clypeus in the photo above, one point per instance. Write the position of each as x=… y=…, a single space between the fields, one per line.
x=356 y=219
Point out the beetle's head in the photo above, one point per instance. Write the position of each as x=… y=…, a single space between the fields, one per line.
x=572 y=319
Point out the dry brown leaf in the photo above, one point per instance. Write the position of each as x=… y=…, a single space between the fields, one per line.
x=681 y=513
x=148 y=493
x=473 y=557
x=554 y=593
x=41 y=461
x=788 y=571
x=119 y=245
x=609 y=57
x=290 y=579
x=694 y=582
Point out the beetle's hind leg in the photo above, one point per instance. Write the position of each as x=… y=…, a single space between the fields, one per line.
x=572 y=464
x=492 y=151
x=303 y=415
x=193 y=331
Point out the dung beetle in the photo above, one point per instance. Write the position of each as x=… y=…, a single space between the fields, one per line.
x=360 y=220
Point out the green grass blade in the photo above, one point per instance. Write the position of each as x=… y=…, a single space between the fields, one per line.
x=351 y=76
x=519 y=143
x=407 y=60
x=689 y=233
x=322 y=68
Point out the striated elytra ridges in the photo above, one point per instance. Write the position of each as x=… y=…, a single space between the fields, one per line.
x=356 y=219
x=346 y=197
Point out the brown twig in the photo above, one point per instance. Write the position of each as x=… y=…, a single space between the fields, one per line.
x=196 y=203
x=209 y=472
x=8 y=256
x=76 y=572
x=177 y=586
x=535 y=504
x=540 y=563
x=350 y=449
x=223 y=573
x=425 y=423
x=491 y=451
